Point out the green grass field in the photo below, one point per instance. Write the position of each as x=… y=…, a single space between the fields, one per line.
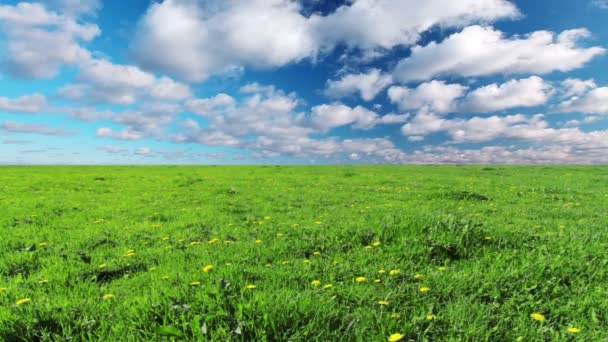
x=304 y=253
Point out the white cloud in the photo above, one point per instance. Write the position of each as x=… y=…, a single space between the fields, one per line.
x=593 y=102
x=336 y=115
x=527 y=92
x=34 y=103
x=191 y=40
x=42 y=129
x=143 y=151
x=127 y=134
x=100 y=81
x=435 y=96
x=479 y=51
x=39 y=42
x=575 y=86
x=368 y=85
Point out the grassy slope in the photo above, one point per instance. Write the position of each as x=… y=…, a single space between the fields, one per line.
x=537 y=243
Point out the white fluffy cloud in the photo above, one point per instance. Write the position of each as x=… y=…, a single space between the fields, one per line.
x=191 y=39
x=368 y=85
x=26 y=128
x=34 y=103
x=127 y=134
x=527 y=92
x=102 y=81
x=39 y=41
x=479 y=51
x=336 y=115
x=592 y=102
x=435 y=96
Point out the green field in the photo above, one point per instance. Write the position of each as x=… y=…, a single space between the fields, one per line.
x=445 y=253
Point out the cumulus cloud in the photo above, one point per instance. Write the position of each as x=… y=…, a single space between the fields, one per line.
x=368 y=85
x=191 y=40
x=481 y=50
x=34 y=103
x=574 y=86
x=593 y=102
x=100 y=81
x=336 y=115
x=39 y=41
x=527 y=92
x=435 y=96
x=143 y=151
x=126 y=134
x=42 y=129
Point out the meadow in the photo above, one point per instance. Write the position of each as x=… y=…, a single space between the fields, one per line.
x=287 y=253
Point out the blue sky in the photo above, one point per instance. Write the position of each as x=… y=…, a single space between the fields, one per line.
x=303 y=82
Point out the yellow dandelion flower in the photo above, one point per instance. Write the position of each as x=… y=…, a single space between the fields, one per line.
x=306 y=261
x=431 y=317
x=195 y=243
x=395 y=315
x=23 y=301
x=280 y=234
x=316 y=253
x=268 y=265
x=251 y=286
x=488 y=238
x=165 y=277
x=214 y=240
x=285 y=262
x=395 y=337
x=442 y=268
x=360 y=279
x=103 y=265
x=377 y=243
x=42 y=244
x=328 y=286
x=538 y=316
x=152 y=269
x=368 y=247
x=107 y=296
x=318 y=222
x=382 y=302
x=208 y=268
x=130 y=254
x=382 y=271
x=377 y=281
x=130 y=251
x=258 y=241
x=419 y=276
x=425 y=289
x=394 y=272
x=2 y=289
x=43 y=281
x=315 y=283
x=573 y=330
x=165 y=238
x=266 y=217
x=195 y=283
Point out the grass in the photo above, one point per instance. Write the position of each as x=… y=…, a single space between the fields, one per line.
x=117 y=253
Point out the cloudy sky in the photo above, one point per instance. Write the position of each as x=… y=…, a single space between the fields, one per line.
x=303 y=81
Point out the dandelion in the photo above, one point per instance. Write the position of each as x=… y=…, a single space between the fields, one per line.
x=165 y=238
x=195 y=283
x=368 y=247
x=251 y=286
x=394 y=272
x=431 y=317
x=306 y=261
x=103 y=265
x=315 y=283
x=2 y=289
x=425 y=289
x=165 y=277
x=214 y=240
x=488 y=238
x=285 y=262
x=23 y=301
x=152 y=269
x=442 y=268
x=419 y=276
x=318 y=222
x=43 y=281
x=382 y=302
x=538 y=316
x=377 y=280
x=195 y=243
x=573 y=330
x=42 y=244
x=107 y=296
x=316 y=253
x=258 y=241
x=328 y=286
x=377 y=243
x=130 y=254
x=395 y=337
x=360 y=279
x=382 y=271
x=208 y=268
x=266 y=217
x=395 y=315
